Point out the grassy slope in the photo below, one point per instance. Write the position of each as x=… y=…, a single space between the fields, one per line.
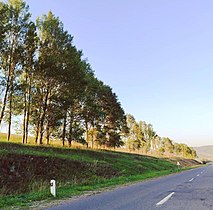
x=26 y=171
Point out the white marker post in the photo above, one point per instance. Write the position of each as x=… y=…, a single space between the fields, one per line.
x=53 y=187
x=178 y=164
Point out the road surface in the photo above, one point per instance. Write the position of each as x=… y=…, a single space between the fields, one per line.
x=188 y=190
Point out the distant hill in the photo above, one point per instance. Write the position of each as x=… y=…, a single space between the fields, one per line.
x=205 y=152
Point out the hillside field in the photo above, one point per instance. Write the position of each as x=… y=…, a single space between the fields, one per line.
x=27 y=170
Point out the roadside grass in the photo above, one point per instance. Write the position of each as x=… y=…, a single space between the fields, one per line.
x=25 y=201
x=26 y=171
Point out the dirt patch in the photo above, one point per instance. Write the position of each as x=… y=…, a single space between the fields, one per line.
x=184 y=162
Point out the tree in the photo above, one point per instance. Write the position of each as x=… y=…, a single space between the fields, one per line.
x=187 y=152
x=135 y=136
x=53 y=42
x=168 y=145
x=3 y=23
x=61 y=79
x=71 y=91
x=114 y=120
x=28 y=61
x=91 y=109
x=14 y=24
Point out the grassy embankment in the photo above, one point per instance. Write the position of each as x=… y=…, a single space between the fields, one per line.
x=27 y=170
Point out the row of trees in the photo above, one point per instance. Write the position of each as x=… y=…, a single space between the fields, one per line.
x=45 y=80
x=142 y=138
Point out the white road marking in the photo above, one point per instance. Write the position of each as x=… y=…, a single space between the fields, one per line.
x=165 y=199
x=191 y=179
x=198 y=175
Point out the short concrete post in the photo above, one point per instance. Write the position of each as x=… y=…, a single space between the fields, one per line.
x=178 y=164
x=53 y=187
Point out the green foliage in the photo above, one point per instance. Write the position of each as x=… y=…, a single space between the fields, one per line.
x=143 y=138
x=135 y=136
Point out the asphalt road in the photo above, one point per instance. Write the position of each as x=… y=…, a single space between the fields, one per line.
x=188 y=190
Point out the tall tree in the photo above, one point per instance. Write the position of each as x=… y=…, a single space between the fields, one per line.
x=52 y=41
x=91 y=110
x=17 y=18
x=60 y=72
x=29 y=50
x=135 y=136
x=114 y=122
x=72 y=91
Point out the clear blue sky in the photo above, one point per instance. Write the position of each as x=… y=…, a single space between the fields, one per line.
x=157 y=55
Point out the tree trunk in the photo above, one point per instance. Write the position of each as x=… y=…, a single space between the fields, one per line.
x=25 y=112
x=9 y=120
x=48 y=132
x=39 y=119
x=28 y=110
x=87 y=134
x=8 y=83
x=64 y=128
x=70 y=129
x=48 y=121
x=4 y=100
x=9 y=130
x=92 y=137
x=24 y=120
x=10 y=108
x=37 y=130
x=43 y=118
